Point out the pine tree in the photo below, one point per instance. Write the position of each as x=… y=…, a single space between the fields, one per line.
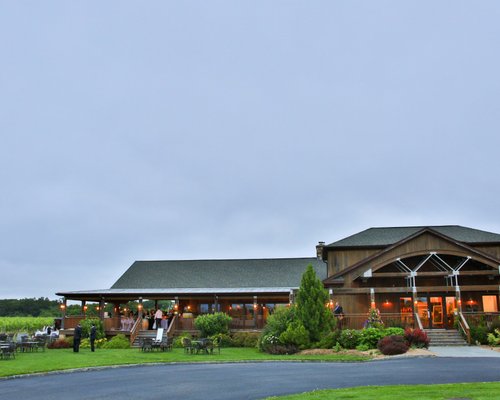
x=311 y=306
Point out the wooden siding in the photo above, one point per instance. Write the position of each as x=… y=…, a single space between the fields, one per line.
x=492 y=250
x=421 y=245
x=339 y=260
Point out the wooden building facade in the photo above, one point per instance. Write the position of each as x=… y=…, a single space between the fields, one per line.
x=427 y=276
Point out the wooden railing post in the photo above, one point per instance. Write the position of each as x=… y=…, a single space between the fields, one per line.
x=135 y=330
x=464 y=326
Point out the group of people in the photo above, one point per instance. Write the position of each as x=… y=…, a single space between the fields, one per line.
x=158 y=319
x=78 y=338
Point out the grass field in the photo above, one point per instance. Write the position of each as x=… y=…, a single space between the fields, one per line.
x=472 y=391
x=61 y=359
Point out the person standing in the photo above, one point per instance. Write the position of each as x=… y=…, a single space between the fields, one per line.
x=158 y=318
x=338 y=312
x=77 y=338
x=93 y=332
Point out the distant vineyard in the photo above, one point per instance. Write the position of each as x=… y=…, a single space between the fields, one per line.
x=24 y=324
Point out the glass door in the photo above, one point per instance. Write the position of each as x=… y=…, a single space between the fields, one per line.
x=436 y=312
x=422 y=309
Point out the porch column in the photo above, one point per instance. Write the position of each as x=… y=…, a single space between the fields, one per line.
x=63 y=311
x=139 y=308
x=255 y=312
x=216 y=303
x=291 y=297
x=101 y=309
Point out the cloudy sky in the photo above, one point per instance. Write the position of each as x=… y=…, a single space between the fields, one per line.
x=230 y=129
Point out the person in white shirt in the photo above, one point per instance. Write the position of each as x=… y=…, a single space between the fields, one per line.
x=158 y=318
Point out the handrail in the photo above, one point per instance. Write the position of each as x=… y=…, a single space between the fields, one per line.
x=464 y=326
x=171 y=329
x=135 y=329
x=419 y=323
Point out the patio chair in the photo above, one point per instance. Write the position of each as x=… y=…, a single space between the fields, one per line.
x=9 y=351
x=166 y=344
x=41 y=342
x=188 y=346
x=147 y=344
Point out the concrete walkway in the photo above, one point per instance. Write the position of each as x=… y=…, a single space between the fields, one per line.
x=463 y=351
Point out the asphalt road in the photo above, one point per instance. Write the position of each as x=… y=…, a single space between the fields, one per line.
x=245 y=380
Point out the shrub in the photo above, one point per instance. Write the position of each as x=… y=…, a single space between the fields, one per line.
x=59 y=344
x=391 y=345
x=86 y=325
x=177 y=343
x=416 y=338
x=329 y=341
x=494 y=338
x=394 y=331
x=479 y=334
x=223 y=340
x=296 y=335
x=495 y=324
x=120 y=341
x=244 y=339
x=363 y=347
x=99 y=343
x=370 y=337
x=211 y=324
x=349 y=338
x=283 y=349
x=277 y=323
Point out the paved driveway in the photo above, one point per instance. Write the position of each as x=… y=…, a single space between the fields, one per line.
x=245 y=380
x=463 y=351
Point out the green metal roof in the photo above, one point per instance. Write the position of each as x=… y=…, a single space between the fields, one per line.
x=242 y=273
x=381 y=237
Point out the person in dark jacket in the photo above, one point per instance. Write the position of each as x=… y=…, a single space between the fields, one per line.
x=77 y=338
x=93 y=332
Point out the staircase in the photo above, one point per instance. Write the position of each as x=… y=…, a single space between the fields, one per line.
x=146 y=334
x=443 y=337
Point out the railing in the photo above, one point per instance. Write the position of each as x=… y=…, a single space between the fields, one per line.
x=172 y=326
x=481 y=318
x=464 y=326
x=360 y=321
x=418 y=321
x=135 y=329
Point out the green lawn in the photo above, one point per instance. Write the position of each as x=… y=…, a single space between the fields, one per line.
x=60 y=359
x=473 y=391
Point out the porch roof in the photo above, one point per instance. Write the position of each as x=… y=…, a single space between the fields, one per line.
x=212 y=274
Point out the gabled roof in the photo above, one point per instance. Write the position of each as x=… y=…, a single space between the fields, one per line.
x=421 y=231
x=241 y=273
x=381 y=237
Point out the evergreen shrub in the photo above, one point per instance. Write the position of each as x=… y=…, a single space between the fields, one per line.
x=329 y=340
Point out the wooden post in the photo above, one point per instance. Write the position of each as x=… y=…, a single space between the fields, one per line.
x=139 y=308
x=101 y=309
x=63 y=310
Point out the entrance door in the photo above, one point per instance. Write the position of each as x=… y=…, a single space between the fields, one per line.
x=436 y=311
x=433 y=311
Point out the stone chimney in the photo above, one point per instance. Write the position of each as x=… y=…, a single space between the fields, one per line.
x=319 y=250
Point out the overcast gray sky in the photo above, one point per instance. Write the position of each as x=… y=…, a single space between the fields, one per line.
x=230 y=129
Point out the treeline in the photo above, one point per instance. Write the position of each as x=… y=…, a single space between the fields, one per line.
x=41 y=307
